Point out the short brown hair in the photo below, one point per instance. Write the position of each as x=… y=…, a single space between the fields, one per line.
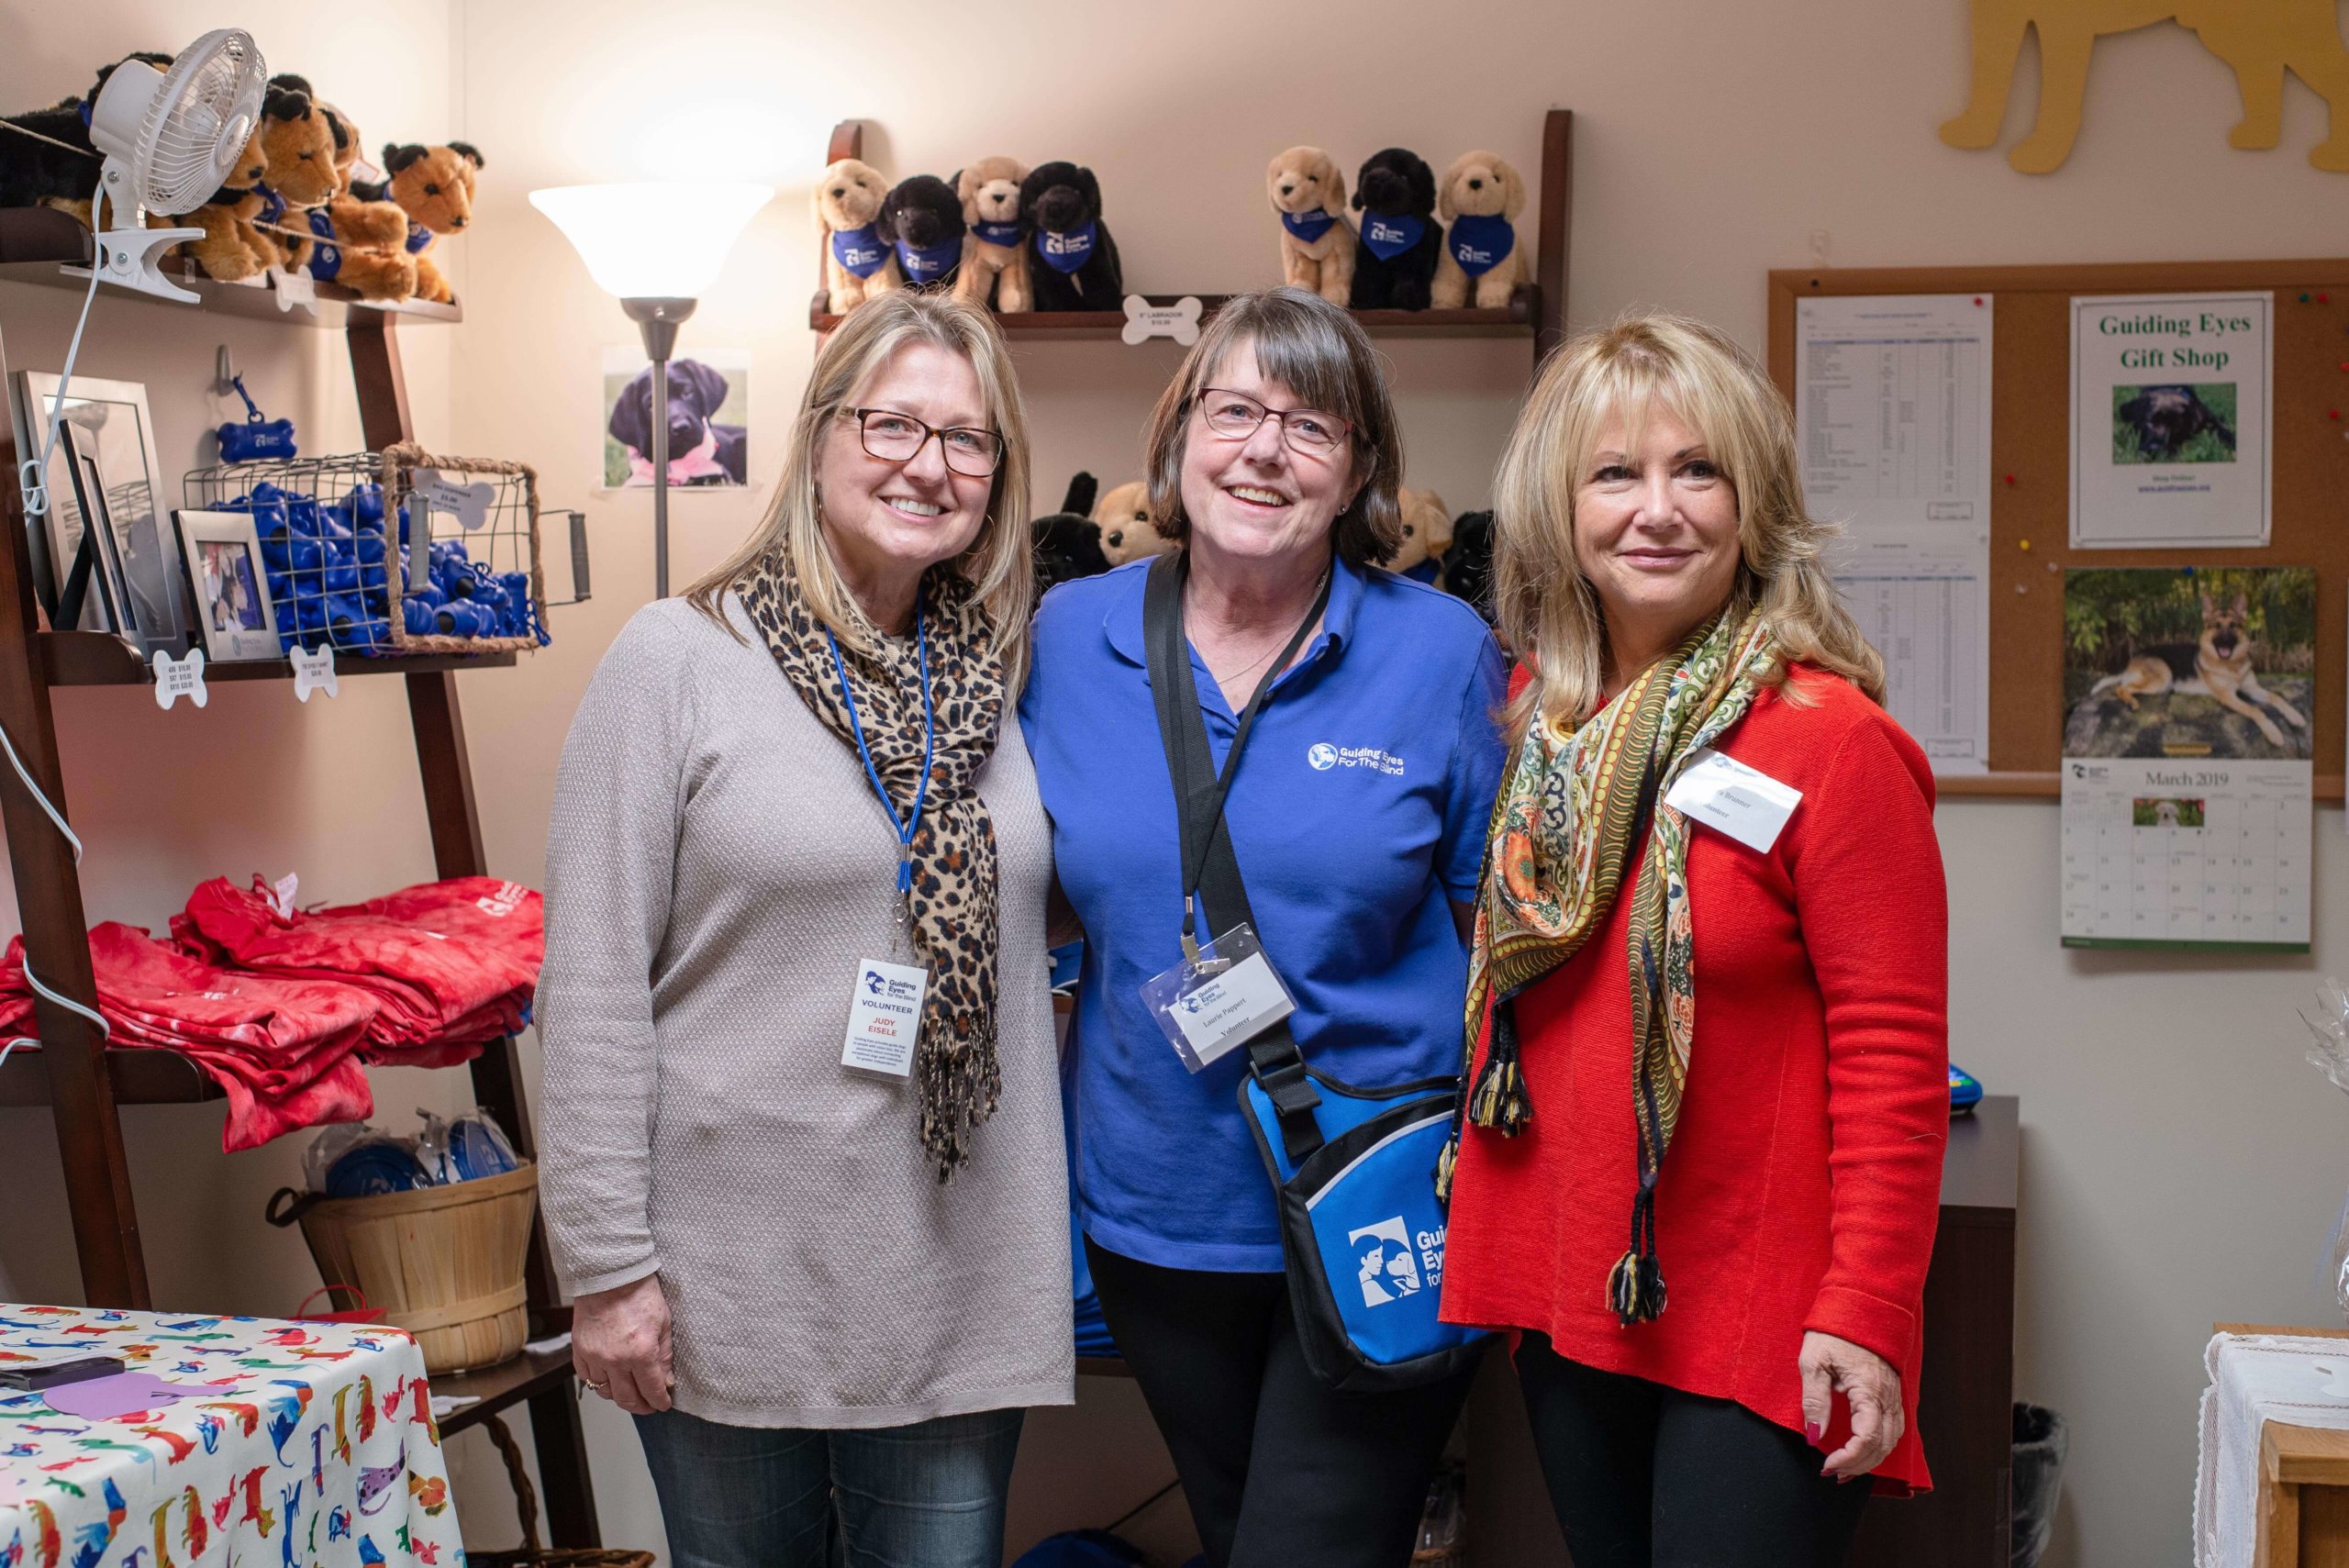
x=1320 y=352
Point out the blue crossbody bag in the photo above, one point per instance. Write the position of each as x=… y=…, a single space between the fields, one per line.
x=1352 y=1169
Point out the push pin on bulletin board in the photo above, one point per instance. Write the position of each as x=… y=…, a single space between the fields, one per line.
x=2023 y=545
x=2010 y=479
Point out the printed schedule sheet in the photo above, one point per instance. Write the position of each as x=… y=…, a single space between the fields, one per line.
x=1892 y=410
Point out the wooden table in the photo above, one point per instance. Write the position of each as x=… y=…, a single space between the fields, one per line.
x=1966 y=1402
x=2303 y=1480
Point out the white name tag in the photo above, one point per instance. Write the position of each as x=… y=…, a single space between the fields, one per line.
x=1725 y=795
x=885 y=1018
x=1232 y=1008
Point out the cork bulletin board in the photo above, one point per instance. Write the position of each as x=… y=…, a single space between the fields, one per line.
x=2031 y=490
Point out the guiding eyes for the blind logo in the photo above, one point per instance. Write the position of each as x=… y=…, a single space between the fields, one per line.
x=1322 y=757
x=1390 y=1267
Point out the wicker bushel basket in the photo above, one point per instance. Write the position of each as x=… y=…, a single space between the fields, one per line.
x=444 y=1263
x=525 y=1504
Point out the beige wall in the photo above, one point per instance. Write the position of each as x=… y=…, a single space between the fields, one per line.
x=2181 y=1164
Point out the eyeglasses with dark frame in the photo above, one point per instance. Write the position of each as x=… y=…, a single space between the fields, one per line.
x=898 y=437
x=1234 y=415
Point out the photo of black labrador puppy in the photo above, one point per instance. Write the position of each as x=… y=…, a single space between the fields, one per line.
x=701 y=451
x=2174 y=424
x=1400 y=241
x=1075 y=264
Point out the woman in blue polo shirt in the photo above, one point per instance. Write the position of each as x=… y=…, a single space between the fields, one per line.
x=1357 y=815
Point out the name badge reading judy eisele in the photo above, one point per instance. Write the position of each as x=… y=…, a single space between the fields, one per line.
x=1225 y=999
x=885 y=1018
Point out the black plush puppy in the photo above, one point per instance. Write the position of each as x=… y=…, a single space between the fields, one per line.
x=1074 y=262
x=33 y=172
x=1068 y=542
x=1396 y=251
x=923 y=218
x=1468 y=564
x=695 y=393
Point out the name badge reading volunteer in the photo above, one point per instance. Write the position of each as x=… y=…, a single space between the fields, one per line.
x=885 y=1018
x=1725 y=795
x=1222 y=999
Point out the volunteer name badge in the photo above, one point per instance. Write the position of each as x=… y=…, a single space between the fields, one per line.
x=885 y=1018
x=1725 y=795
x=1225 y=999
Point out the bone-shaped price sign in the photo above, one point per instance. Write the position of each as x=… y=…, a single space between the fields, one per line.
x=177 y=678
x=294 y=288
x=314 y=670
x=468 y=502
x=1179 y=320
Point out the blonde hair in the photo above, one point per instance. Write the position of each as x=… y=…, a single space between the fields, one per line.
x=999 y=561
x=1547 y=610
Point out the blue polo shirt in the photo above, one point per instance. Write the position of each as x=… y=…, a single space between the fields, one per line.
x=1358 y=814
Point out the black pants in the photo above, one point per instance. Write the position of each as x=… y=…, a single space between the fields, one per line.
x=1645 y=1476
x=1280 y=1471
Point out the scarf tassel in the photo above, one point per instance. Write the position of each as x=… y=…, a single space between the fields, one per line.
x=1635 y=1286
x=1499 y=1100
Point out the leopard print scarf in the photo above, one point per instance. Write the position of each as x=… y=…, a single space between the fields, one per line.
x=954 y=899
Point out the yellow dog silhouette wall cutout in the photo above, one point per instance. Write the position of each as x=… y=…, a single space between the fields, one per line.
x=2260 y=39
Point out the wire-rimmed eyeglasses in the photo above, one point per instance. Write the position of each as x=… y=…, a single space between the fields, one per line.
x=1234 y=415
x=899 y=438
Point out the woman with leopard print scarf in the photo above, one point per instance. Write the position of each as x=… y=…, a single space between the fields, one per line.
x=804 y=1168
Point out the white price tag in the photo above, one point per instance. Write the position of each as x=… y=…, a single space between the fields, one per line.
x=314 y=670
x=293 y=289
x=177 y=678
x=885 y=1018
x=1179 y=320
x=468 y=502
x=1725 y=795
x=283 y=892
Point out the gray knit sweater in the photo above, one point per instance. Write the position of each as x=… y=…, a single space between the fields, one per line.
x=717 y=865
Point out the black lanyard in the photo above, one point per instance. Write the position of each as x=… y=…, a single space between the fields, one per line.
x=1201 y=814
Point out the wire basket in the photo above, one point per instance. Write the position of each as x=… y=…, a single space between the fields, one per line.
x=394 y=553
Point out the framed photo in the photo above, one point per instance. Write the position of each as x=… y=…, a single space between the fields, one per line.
x=224 y=567
x=97 y=580
x=110 y=425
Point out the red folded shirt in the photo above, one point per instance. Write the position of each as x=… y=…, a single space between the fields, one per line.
x=453 y=963
x=282 y=1048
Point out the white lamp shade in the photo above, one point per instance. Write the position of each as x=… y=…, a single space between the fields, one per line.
x=656 y=241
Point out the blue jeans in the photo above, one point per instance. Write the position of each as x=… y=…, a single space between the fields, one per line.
x=927 y=1496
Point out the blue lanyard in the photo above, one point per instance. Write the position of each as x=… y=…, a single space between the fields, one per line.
x=929 y=748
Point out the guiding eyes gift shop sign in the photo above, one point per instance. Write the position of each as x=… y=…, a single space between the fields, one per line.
x=2170 y=395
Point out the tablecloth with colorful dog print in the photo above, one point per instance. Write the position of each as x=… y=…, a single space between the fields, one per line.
x=225 y=1441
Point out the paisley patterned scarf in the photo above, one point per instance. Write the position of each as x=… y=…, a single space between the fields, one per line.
x=953 y=904
x=1565 y=827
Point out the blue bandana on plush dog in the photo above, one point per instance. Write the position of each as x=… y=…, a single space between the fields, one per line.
x=1003 y=234
x=928 y=263
x=1065 y=252
x=1388 y=238
x=857 y=250
x=1480 y=244
x=1308 y=227
x=326 y=258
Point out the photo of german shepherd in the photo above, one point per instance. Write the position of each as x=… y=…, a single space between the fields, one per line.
x=2126 y=649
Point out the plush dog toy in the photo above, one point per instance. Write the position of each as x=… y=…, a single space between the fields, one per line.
x=994 y=259
x=434 y=186
x=231 y=247
x=1316 y=242
x=923 y=218
x=1468 y=564
x=34 y=174
x=1074 y=262
x=858 y=263
x=1480 y=198
x=360 y=245
x=1426 y=534
x=1395 y=256
x=1067 y=542
x=701 y=451
x=1126 y=532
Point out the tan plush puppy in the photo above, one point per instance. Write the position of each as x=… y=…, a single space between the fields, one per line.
x=1426 y=534
x=1479 y=197
x=858 y=263
x=1127 y=533
x=1317 y=238
x=994 y=247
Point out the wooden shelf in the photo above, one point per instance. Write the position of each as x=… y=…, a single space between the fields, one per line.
x=102 y=659
x=141 y=1077
x=37 y=244
x=499 y=1387
x=1521 y=319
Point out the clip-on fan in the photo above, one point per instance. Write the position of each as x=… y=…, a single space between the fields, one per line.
x=170 y=138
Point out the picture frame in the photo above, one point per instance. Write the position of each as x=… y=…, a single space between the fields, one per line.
x=230 y=582
x=111 y=425
x=100 y=586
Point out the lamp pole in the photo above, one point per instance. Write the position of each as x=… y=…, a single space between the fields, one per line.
x=657 y=318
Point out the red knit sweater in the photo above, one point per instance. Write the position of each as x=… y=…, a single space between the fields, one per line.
x=1802 y=1186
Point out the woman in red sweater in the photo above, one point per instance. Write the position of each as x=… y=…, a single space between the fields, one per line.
x=1707 y=996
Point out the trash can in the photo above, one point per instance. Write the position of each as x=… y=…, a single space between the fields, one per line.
x=2041 y=1440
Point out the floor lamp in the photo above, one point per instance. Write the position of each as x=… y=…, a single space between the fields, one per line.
x=656 y=247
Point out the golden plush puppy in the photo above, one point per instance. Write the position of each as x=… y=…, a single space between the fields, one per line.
x=858 y=263
x=1426 y=534
x=1127 y=533
x=1317 y=239
x=1479 y=197
x=995 y=260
